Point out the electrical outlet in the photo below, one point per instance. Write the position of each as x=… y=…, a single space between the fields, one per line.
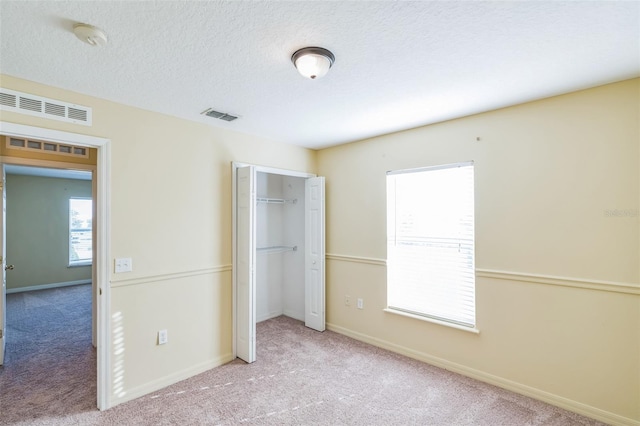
x=163 y=337
x=347 y=300
x=360 y=304
x=123 y=264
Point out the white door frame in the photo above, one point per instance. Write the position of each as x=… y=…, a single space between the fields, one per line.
x=259 y=169
x=3 y=262
x=103 y=147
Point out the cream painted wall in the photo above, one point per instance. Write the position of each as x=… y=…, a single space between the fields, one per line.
x=550 y=176
x=38 y=230
x=171 y=213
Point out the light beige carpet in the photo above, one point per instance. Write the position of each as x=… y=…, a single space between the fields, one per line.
x=302 y=377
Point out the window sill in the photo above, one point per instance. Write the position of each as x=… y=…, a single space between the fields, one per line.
x=433 y=320
x=76 y=265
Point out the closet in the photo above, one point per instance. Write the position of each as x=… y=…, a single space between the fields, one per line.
x=279 y=246
x=279 y=251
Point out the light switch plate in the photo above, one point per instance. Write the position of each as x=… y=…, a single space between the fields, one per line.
x=123 y=264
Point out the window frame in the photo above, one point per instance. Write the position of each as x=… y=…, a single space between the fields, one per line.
x=470 y=284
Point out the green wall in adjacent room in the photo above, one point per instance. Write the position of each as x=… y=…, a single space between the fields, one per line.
x=38 y=230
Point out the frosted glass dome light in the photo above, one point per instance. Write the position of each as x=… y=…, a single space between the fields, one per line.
x=313 y=62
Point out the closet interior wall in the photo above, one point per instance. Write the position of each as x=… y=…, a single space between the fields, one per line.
x=280 y=235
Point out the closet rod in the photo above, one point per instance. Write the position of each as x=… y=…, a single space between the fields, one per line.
x=278 y=248
x=276 y=200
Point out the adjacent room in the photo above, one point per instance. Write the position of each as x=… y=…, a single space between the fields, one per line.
x=320 y=212
x=49 y=215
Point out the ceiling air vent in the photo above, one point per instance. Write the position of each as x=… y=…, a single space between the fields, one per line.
x=25 y=103
x=209 y=112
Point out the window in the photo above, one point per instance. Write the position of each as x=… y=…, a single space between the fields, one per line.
x=80 y=235
x=430 y=243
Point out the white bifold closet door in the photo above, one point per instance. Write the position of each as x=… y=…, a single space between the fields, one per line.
x=246 y=264
x=246 y=259
x=314 y=310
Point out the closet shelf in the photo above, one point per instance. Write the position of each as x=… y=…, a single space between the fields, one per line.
x=276 y=200
x=278 y=248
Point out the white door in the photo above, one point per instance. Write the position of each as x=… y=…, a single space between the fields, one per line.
x=314 y=315
x=3 y=261
x=245 y=261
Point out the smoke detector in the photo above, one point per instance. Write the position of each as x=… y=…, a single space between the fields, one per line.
x=90 y=34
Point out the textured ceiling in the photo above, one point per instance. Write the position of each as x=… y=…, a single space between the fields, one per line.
x=398 y=64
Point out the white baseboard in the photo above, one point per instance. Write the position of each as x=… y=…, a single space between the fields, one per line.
x=47 y=286
x=170 y=379
x=268 y=316
x=294 y=314
x=558 y=401
x=286 y=313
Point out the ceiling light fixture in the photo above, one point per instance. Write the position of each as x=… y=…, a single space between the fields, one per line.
x=90 y=34
x=313 y=62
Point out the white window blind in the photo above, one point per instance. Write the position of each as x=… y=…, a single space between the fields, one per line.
x=80 y=231
x=430 y=242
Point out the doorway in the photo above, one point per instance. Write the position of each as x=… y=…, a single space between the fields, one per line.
x=101 y=256
x=279 y=251
x=49 y=216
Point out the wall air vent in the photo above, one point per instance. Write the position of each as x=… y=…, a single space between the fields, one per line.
x=45 y=147
x=25 y=103
x=209 y=112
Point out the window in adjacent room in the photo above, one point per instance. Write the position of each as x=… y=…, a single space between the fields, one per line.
x=80 y=233
x=430 y=243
